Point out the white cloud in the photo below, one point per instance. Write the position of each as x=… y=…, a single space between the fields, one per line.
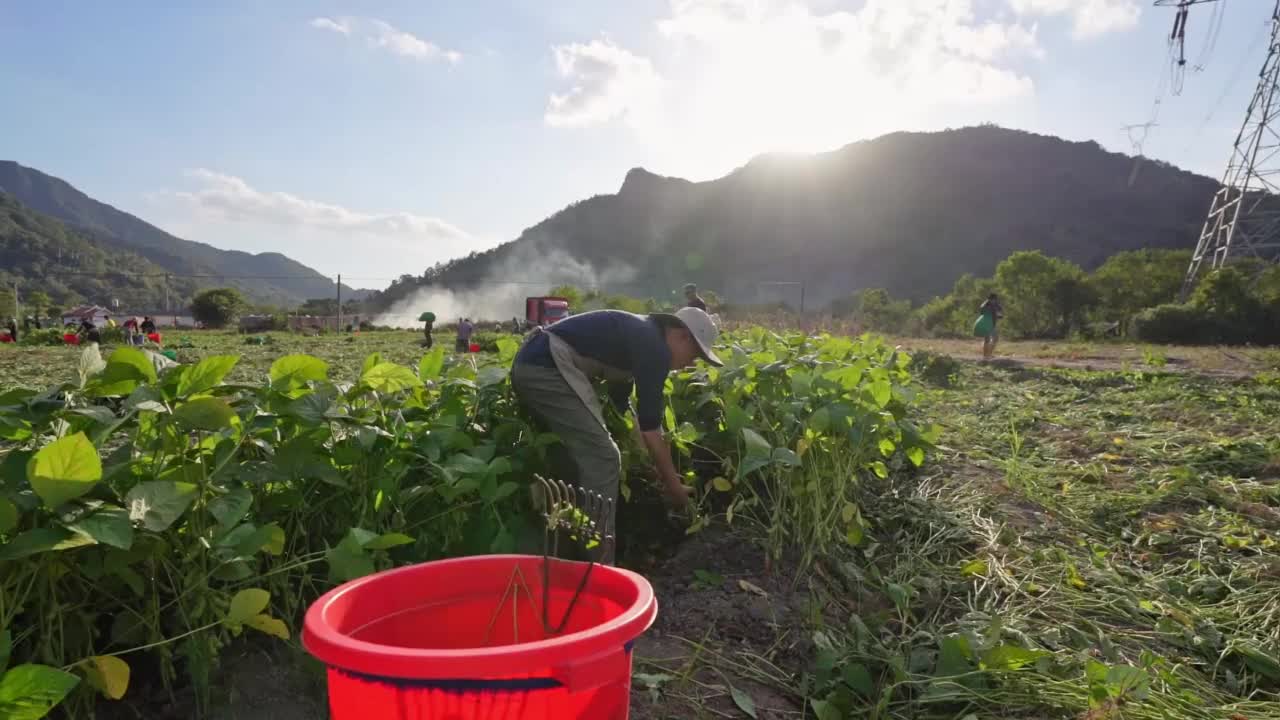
x=324 y=23
x=229 y=198
x=607 y=82
x=383 y=35
x=754 y=75
x=1089 y=18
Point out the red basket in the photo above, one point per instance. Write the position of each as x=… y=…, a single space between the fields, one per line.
x=154 y=337
x=474 y=347
x=454 y=639
x=71 y=338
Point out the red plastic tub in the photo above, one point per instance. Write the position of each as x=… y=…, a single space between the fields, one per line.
x=71 y=338
x=452 y=640
x=474 y=347
x=154 y=337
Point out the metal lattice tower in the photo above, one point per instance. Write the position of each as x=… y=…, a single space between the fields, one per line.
x=1244 y=216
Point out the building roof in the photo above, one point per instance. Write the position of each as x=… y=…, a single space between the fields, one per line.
x=83 y=311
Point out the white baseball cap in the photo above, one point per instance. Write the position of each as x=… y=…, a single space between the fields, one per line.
x=700 y=326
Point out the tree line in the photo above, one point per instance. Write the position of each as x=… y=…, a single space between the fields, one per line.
x=1133 y=294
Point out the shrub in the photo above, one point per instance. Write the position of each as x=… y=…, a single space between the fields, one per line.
x=47 y=336
x=218 y=307
x=935 y=368
x=1175 y=324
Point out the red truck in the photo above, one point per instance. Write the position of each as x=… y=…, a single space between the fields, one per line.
x=543 y=311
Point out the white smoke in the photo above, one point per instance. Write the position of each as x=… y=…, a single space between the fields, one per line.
x=528 y=272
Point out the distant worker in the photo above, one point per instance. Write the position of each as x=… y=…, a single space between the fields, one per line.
x=131 y=334
x=991 y=312
x=13 y=329
x=515 y=326
x=109 y=322
x=552 y=377
x=428 y=324
x=692 y=299
x=148 y=326
x=89 y=331
x=465 y=329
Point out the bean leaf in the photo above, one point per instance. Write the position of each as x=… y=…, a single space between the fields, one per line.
x=64 y=470
x=294 y=371
x=268 y=625
x=431 y=365
x=8 y=516
x=389 y=377
x=41 y=540
x=245 y=604
x=108 y=525
x=916 y=456
x=205 y=414
x=229 y=509
x=205 y=374
x=743 y=701
x=159 y=503
x=29 y=692
x=389 y=540
x=108 y=674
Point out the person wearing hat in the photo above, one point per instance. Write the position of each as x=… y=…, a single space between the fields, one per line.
x=691 y=298
x=553 y=371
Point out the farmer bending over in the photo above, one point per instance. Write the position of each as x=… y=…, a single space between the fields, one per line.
x=552 y=377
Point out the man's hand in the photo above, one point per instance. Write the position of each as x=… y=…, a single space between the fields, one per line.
x=676 y=494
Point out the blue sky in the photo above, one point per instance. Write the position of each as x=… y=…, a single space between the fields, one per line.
x=375 y=137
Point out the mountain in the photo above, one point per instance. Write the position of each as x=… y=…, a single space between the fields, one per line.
x=265 y=277
x=909 y=212
x=74 y=264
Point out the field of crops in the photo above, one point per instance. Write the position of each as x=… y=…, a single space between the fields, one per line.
x=876 y=535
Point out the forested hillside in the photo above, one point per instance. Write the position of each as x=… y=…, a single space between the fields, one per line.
x=290 y=282
x=908 y=212
x=72 y=266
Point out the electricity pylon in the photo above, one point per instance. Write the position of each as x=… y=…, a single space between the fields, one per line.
x=1244 y=216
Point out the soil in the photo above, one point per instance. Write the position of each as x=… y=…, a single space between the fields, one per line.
x=719 y=610
x=258 y=681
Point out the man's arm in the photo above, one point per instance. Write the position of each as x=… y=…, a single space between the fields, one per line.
x=674 y=490
x=620 y=394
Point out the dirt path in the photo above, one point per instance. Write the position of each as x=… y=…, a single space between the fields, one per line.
x=1106 y=364
x=1219 y=362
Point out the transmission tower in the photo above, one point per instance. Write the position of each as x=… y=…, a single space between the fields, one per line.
x=1244 y=216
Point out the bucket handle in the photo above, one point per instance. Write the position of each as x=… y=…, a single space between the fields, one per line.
x=593 y=671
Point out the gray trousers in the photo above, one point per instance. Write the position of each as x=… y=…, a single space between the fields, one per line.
x=546 y=394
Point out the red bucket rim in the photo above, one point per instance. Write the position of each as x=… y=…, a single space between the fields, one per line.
x=338 y=650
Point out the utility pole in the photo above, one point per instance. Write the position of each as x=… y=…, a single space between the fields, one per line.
x=166 y=292
x=339 y=328
x=1244 y=215
x=17 y=305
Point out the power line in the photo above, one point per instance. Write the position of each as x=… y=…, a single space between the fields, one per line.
x=220 y=276
x=1211 y=37
x=1258 y=36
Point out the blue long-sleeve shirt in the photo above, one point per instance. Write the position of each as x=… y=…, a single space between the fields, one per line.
x=634 y=344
